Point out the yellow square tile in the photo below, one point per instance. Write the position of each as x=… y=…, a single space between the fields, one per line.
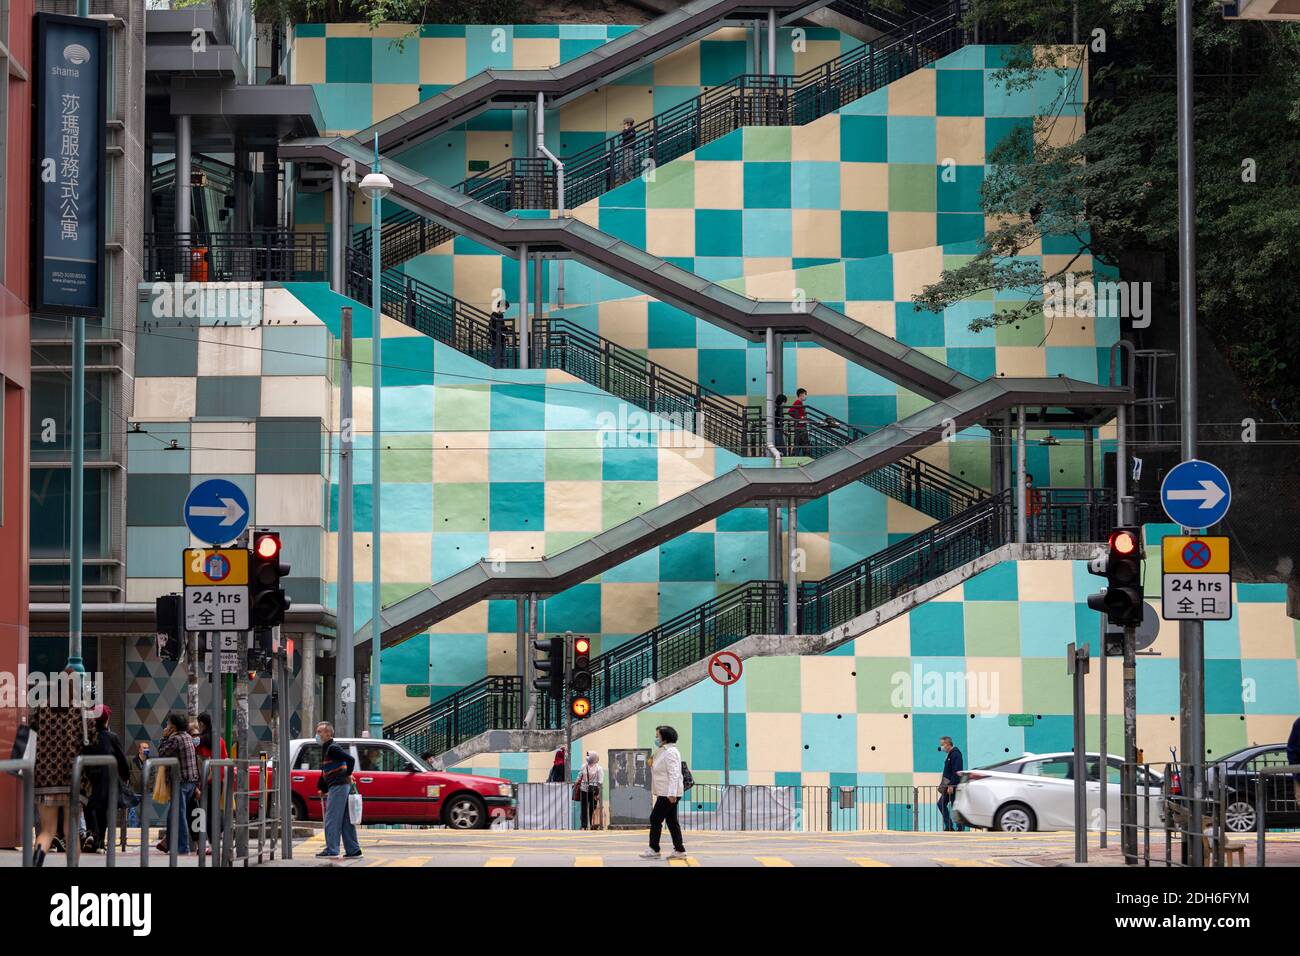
x=348 y=30
x=864 y=186
x=230 y=351
x=1266 y=631
x=494 y=146
x=1268 y=728
x=634 y=101
x=768 y=266
x=876 y=315
x=816 y=233
x=1021 y=361
x=536 y=53
x=821 y=370
x=1063 y=131
x=819 y=141
x=308 y=63
x=469 y=621
x=442 y=60
x=722 y=182
x=771 y=283
x=569 y=506
x=884 y=743
x=625 y=608
x=1045 y=580
x=165 y=398
x=477 y=279
x=893 y=638
x=516 y=546
x=587 y=114
x=680 y=68
x=912 y=230
x=775 y=741
x=1156 y=733
x=386 y=99
x=995 y=687
x=914 y=269
x=624 y=321
x=816 y=551
x=960 y=138
x=459 y=457
x=670 y=232
x=813 y=54
x=684 y=361
x=904 y=520
x=409 y=557
x=686 y=464
x=913 y=95
x=827 y=685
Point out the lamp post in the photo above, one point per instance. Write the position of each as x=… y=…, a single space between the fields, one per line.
x=375 y=185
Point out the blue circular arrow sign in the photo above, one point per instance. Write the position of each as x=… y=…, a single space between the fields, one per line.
x=216 y=511
x=1195 y=494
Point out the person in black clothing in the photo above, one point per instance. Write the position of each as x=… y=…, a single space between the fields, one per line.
x=627 y=143
x=97 y=807
x=952 y=766
x=1293 y=754
x=778 y=414
x=497 y=332
x=336 y=766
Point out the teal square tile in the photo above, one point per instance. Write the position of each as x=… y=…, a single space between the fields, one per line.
x=864 y=139
x=767 y=185
x=863 y=234
x=348 y=59
x=959 y=92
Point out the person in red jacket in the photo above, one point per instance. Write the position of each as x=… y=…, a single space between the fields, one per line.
x=799 y=420
x=203 y=750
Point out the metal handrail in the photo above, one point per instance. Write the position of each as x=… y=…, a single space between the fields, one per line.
x=25 y=767
x=78 y=765
x=173 y=765
x=267 y=255
x=219 y=793
x=748 y=99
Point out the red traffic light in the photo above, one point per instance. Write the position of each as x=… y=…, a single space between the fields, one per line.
x=1123 y=542
x=582 y=646
x=268 y=546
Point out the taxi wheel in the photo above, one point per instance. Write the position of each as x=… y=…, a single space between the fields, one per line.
x=297 y=809
x=465 y=812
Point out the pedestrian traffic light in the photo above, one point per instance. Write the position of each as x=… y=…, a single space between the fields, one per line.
x=580 y=677
x=1121 y=566
x=581 y=706
x=268 y=600
x=549 y=667
x=170 y=625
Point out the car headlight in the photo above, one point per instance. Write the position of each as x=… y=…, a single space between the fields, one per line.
x=504 y=789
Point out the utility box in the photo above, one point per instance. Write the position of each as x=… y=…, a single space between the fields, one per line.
x=629 y=788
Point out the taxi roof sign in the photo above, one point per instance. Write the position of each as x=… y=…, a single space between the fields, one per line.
x=1182 y=554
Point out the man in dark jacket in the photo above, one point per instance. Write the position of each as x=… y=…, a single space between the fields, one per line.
x=336 y=766
x=97 y=807
x=952 y=766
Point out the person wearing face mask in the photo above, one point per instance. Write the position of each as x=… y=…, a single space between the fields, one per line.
x=178 y=743
x=336 y=766
x=666 y=790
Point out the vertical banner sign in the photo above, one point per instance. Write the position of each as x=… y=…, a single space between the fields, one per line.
x=68 y=165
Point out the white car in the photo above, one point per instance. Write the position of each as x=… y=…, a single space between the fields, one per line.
x=1036 y=792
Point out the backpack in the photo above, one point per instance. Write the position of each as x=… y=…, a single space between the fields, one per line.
x=687 y=780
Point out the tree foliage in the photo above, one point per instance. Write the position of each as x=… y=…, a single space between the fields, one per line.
x=1115 y=188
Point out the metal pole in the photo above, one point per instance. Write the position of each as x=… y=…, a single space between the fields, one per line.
x=530 y=715
x=774 y=562
x=1078 y=663
x=284 y=802
x=1121 y=460
x=184 y=207
x=521 y=654
x=337 y=193
x=376 y=470
x=215 y=779
x=559 y=192
x=568 y=712
x=792 y=582
x=538 y=298
x=1088 y=477
x=524 y=329
x=1102 y=746
x=758 y=46
x=345 y=694
x=1021 y=488
x=771 y=42
x=1128 y=774
x=1191 y=649
x=726 y=735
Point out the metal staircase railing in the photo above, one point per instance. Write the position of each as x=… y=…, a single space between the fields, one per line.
x=758 y=607
x=559 y=343
x=747 y=100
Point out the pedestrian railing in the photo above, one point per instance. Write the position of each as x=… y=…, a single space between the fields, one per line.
x=25 y=769
x=238 y=817
x=82 y=763
x=268 y=255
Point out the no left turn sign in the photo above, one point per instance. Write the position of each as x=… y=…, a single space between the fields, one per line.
x=725 y=668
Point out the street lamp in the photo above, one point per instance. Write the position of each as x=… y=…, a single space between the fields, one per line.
x=375 y=185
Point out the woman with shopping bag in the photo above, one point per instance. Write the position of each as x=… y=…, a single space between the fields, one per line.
x=588 y=785
x=336 y=766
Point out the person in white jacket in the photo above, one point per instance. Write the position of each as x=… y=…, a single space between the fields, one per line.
x=666 y=790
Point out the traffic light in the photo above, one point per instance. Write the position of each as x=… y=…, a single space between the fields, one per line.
x=550 y=667
x=1121 y=566
x=269 y=602
x=580 y=677
x=170 y=626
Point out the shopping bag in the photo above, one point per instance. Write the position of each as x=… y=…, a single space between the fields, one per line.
x=162 y=787
x=354 y=807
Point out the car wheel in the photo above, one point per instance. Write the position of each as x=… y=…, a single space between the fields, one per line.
x=1015 y=818
x=1239 y=816
x=297 y=809
x=465 y=812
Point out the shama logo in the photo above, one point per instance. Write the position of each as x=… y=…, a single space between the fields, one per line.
x=76 y=54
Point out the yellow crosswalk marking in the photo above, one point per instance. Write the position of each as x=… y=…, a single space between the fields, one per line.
x=683 y=861
x=588 y=861
x=865 y=861
x=955 y=861
x=773 y=861
x=500 y=861
x=409 y=861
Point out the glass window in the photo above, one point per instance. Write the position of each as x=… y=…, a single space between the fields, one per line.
x=1059 y=768
x=308 y=757
x=1268 y=758
x=50 y=516
x=379 y=757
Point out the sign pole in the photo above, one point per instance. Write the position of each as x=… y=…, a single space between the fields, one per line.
x=1128 y=770
x=1078 y=667
x=726 y=735
x=1102 y=790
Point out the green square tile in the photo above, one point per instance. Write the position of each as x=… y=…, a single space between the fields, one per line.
x=992 y=629
x=879 y=689
x=673 y=186
x=824 y=283
x=911 y=188
x=772 y=685
x=1224 y=733
x=573 y=464
x=769 y=144
x=557 y=541
x=460 y=506
x=648 y=720
x=1028 y=331
x=898 y=780
x=393 y=591
x=408 y=459
x=1066 y=461
x=464 y=408
x=1045 y=685
x=361 y=364
x=909 y=403
x=969 y=460
x=623 y=500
